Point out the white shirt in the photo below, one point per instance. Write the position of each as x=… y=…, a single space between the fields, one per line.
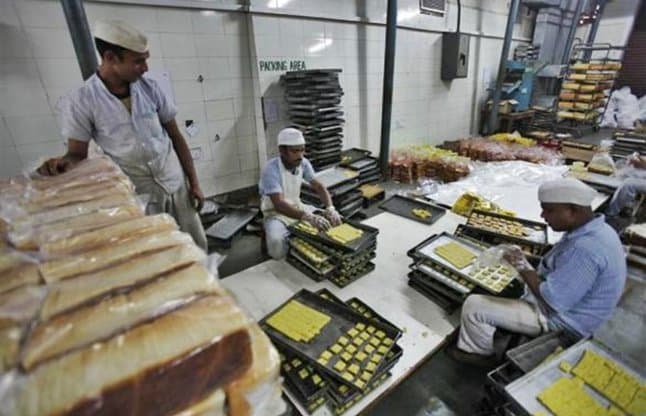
x=137 y=142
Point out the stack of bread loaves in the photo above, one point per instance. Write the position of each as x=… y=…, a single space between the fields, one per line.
x=104 y=310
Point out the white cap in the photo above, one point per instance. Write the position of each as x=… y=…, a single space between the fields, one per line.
x=566 y=191
x=120 y=33
x=291 y=137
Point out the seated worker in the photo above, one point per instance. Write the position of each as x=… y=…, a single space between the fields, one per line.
x=624 y=197
x=280 y=189
x=575 y=289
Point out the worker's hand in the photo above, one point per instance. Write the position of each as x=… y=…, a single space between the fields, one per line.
x=55 y=166
x=333 y=215
x=318 y=221
x=515 y=256
x=197 y=197
x=638 y=161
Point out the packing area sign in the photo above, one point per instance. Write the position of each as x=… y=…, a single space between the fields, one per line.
x=282 y=65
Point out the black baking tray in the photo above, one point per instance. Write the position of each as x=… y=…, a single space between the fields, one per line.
x=364 y=165
x=307 y=271
x=297 y=257
x=368 y=237
x=342 y=320
x=531 y=249
x=310 y=405
x=305 y=389
x=339 y=256
x=430 y=282
x=403 y=206
x=340 y=408
x=351 y=210
x=352 y=155
x=344 y=281
x=434 y=292
x=537 y=226
x=366 y=311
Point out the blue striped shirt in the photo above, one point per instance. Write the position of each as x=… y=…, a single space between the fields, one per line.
x=584 y=276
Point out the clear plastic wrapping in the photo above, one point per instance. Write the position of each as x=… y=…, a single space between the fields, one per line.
x=105 y=310
x=419 y=161
x=487 y=150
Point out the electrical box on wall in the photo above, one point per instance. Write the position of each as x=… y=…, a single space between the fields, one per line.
x=455 y=55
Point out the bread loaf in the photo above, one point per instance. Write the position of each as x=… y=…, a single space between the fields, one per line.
x=96 y=259
x=20 y=305
x=21 y=275
x=112 y=234
x=77 y=195
x=9 y=347
x=157 y=368
x=30 y=237
x=99 y=321
x=265 y=370
x=72 y=292
x=213 y=405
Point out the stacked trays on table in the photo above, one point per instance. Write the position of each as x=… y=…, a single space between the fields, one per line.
x=342 y=184
x=627 y=143
x=362 y=162
x=353 y=334
x=444 y=269
x=321 y=257
x=314 y=107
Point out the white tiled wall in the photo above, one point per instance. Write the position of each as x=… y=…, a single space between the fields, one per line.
x=37 y=65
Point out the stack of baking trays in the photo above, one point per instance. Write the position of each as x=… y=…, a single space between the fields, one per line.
x=444 y=269
x=343 y=186
x=104 y=310
x=314 y=98
x=362 y=162
x=341 y=254
x=333 y=352
x=627 y=143
x=493 y=229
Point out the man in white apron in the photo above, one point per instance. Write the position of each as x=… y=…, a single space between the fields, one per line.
x=133 y=122
x=280 y=189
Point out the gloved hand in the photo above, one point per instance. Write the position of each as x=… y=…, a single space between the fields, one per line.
x=318 y=221
x=515 y=256
x=333 y=215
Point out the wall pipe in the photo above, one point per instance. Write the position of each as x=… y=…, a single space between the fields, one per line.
x=587 y=54
x=387 y=100
x=81 y=36
x=570 y=36
x=492 y=125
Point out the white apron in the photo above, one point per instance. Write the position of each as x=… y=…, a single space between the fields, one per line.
x=291 y=183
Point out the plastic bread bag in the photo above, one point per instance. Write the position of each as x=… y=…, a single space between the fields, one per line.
x=30 y=236
x=18 y=269
x=113 y=234
x=258 y=391
x=166 y=363
x=20 y=305
x=57 y=269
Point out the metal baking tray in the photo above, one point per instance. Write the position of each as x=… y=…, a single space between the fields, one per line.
x=403 y=206
x=364 y=165
x=366 y=311
x=530 y=248
x=441 y=278
x=342 y=320
x=345 y=280
x=326 y=270
x=335 y=177
x=231 y=223
x=305 y=269
x=425 y=252
x=340 y=256
x=529 y=355
x=339 y=408
x=433 y=291
x=348 y=198
x=350 y=156
x=524 y=390
x=368 y=237
x=537 y=230
x=305 y=389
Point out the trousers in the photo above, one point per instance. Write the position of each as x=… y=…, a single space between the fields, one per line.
x=276 y=233
x=180 y=206
x=482 y=314
x=625 y=195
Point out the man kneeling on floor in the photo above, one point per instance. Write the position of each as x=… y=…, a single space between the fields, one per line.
x=280 y=189
x=575 y=289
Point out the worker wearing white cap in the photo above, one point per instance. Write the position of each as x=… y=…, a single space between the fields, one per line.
x=133 y=122
x=280 y=189
x=575 y=289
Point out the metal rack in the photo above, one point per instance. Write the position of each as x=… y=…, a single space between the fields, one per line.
x=586 y=90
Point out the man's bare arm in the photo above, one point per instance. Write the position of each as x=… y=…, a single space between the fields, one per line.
x=186 y=160
x=322 y=192
x=283 y=207
x=76 y=152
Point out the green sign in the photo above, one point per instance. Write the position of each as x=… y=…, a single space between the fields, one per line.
x=285 y=65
